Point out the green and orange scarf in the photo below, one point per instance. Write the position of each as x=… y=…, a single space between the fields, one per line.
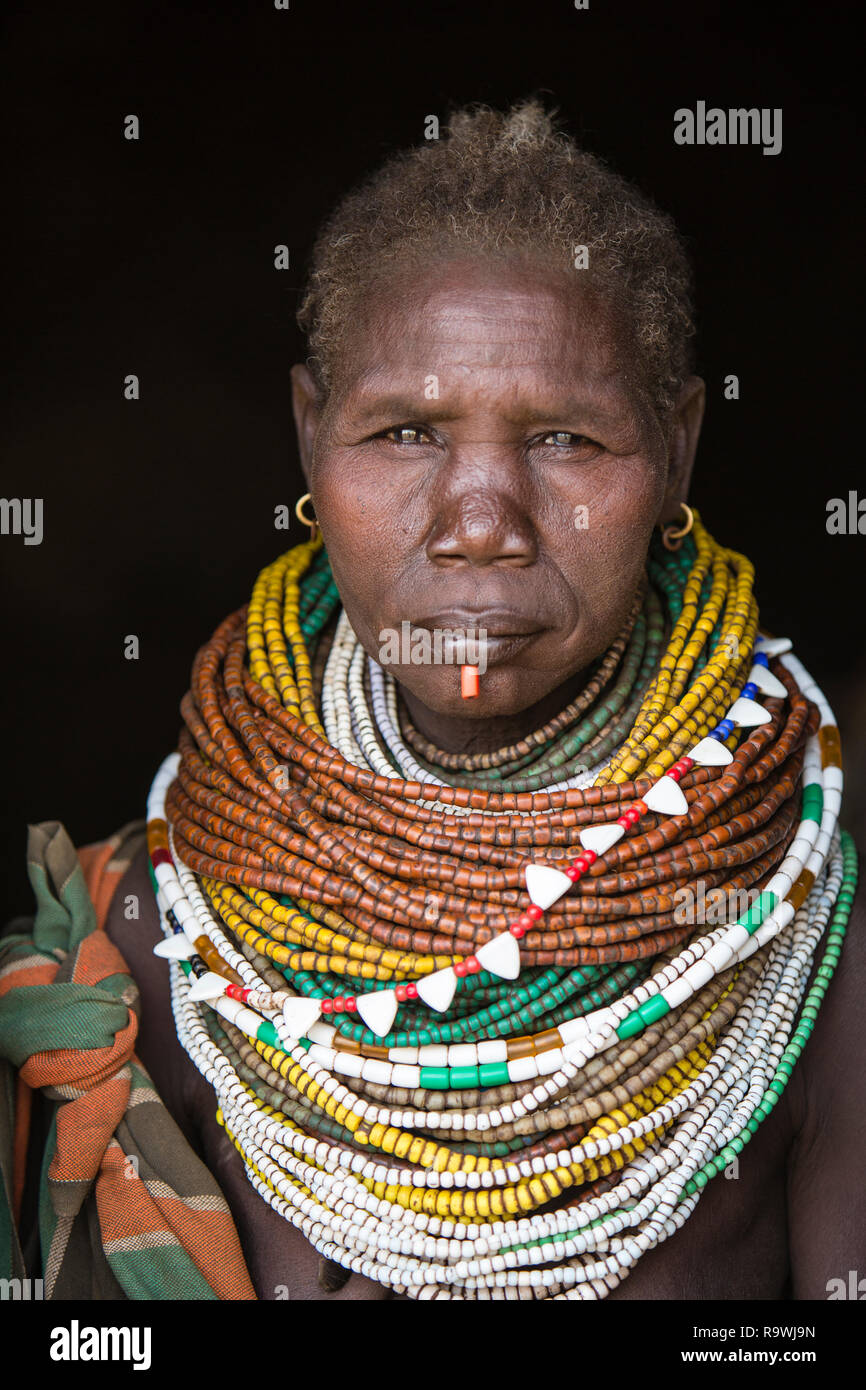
x=126 y=1209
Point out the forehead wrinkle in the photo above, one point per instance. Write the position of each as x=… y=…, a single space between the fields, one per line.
x=554 y=338
x=487 y=291
x=520 y=326
x=380 y=391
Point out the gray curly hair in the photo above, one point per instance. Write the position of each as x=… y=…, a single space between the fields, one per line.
x=505 y=182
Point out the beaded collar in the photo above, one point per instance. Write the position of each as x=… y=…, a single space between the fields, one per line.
x=459 y=1027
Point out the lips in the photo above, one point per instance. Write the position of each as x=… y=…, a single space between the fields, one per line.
x=506 y=632
x=496 y=622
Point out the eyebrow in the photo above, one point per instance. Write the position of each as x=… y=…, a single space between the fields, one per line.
x=369 y=408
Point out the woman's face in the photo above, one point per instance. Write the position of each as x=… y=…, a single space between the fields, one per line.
x=487 y=459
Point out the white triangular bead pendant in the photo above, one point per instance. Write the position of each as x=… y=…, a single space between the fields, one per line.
x=711 y=752
x=767 y=683
x=666 y=798
x=176 y=947
x=773 y=646
x=437 y=990
x=378 y=1010
x=544 y=885
x=501 y=956
x=208 y=986
x=747 y=713
x=599 y=838
x=300 y=1014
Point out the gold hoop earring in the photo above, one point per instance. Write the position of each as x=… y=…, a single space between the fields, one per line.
x=304 y=519
x=672 y=535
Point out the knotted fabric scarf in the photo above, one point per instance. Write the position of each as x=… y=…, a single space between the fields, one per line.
x=125 y=1206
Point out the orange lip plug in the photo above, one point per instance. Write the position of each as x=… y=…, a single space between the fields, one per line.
x=468 y=681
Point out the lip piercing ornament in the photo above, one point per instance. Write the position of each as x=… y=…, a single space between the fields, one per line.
x=468 y=681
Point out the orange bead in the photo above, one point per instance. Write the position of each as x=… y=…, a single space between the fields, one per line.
x=468 y=681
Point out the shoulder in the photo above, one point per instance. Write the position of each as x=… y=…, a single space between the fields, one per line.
x=838 y=1034
x=826 y=1194
x=132 y=923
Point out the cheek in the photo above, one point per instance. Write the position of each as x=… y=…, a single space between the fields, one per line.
x=615 y=494
x=347 y=502
x=605 y=530
x=361 y=524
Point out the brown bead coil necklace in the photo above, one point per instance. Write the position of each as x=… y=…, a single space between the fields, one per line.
x=484 y=1026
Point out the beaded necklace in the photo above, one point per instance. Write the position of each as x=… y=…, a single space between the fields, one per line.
x=458 y=1027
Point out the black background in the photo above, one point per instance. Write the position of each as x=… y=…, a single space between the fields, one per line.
x=156 y=258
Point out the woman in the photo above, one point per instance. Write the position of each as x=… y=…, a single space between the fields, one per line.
x=439 y=940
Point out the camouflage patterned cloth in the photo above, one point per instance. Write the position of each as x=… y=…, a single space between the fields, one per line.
x=125 y=1208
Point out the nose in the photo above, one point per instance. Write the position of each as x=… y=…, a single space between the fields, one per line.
x=482 y=520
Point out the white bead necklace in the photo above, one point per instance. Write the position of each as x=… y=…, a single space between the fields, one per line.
x=321 y=1187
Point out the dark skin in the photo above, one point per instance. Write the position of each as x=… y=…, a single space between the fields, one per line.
x=540 y=409
x=478 y=515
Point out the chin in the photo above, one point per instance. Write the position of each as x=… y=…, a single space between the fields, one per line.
x=502 y=690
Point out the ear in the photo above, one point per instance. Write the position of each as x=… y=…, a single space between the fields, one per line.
x=688 y=415
x=307 y=412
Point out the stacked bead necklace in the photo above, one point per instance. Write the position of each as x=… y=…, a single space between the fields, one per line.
x=462 y=1024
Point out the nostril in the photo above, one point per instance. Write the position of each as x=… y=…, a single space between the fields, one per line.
x=482 y=528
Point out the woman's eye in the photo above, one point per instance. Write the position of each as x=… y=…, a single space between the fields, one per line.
x=564 y=439
x=404 y=434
